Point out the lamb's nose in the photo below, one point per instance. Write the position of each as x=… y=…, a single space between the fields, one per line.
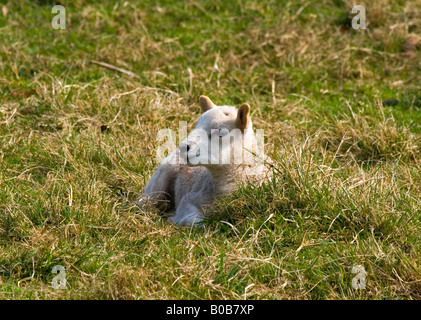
x=188 y=148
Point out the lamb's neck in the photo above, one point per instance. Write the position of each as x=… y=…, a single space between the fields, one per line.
x=225 y=178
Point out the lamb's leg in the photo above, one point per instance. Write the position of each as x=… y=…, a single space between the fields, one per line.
x=160 y=189
x=188 y=211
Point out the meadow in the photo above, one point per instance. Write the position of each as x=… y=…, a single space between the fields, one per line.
x=341 y=110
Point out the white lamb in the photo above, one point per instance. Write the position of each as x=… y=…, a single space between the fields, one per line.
x=218 y=155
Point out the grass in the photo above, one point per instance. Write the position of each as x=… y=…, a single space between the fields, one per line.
x=77 y=145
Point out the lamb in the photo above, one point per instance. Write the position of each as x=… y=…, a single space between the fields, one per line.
x=218 y=155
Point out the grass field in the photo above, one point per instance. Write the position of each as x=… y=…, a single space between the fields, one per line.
x=78 y=143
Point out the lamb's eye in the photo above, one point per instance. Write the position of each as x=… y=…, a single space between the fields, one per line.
x=227 y=114
x=222 y=132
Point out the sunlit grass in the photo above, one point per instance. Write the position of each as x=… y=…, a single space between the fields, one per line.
x=77 y=145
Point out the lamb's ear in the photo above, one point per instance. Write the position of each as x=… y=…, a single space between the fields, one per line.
x=243 y=117
x=206 y=103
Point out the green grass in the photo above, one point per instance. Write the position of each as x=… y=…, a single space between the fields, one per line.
x=77 y=145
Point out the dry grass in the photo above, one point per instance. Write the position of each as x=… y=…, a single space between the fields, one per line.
x=77 y=145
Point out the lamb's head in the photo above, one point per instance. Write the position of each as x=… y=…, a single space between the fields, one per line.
x=222 y=136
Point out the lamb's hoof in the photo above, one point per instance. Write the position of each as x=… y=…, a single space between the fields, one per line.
x=189 y=221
